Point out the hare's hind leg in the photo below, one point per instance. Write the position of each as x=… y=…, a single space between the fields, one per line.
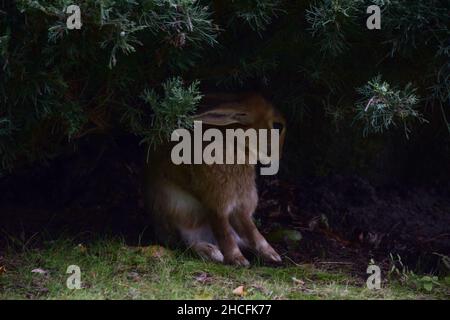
x=183 y=216
x=246 y=229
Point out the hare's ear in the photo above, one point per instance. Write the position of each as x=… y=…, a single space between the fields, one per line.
x=224 y=115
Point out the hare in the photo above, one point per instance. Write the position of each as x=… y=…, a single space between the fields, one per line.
x=210 y=207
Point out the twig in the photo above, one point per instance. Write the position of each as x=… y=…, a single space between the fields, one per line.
x=295 y=263
x=369 y=104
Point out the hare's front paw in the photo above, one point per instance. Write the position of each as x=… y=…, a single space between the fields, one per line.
x=269 y=254
x=237 y=260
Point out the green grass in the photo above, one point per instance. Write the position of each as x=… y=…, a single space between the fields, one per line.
x=112 y=270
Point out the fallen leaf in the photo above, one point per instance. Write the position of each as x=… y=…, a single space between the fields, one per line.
x=290 y=237
x=298 y=281
x=203 y=277
x=2 y=269
x=40 y=271
x=239 y=291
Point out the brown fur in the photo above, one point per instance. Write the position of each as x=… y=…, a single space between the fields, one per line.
x=210 y=207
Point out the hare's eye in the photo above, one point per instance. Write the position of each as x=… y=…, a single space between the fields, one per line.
x=278 y=125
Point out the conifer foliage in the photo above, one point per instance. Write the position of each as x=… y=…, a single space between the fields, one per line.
x=141 y=66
